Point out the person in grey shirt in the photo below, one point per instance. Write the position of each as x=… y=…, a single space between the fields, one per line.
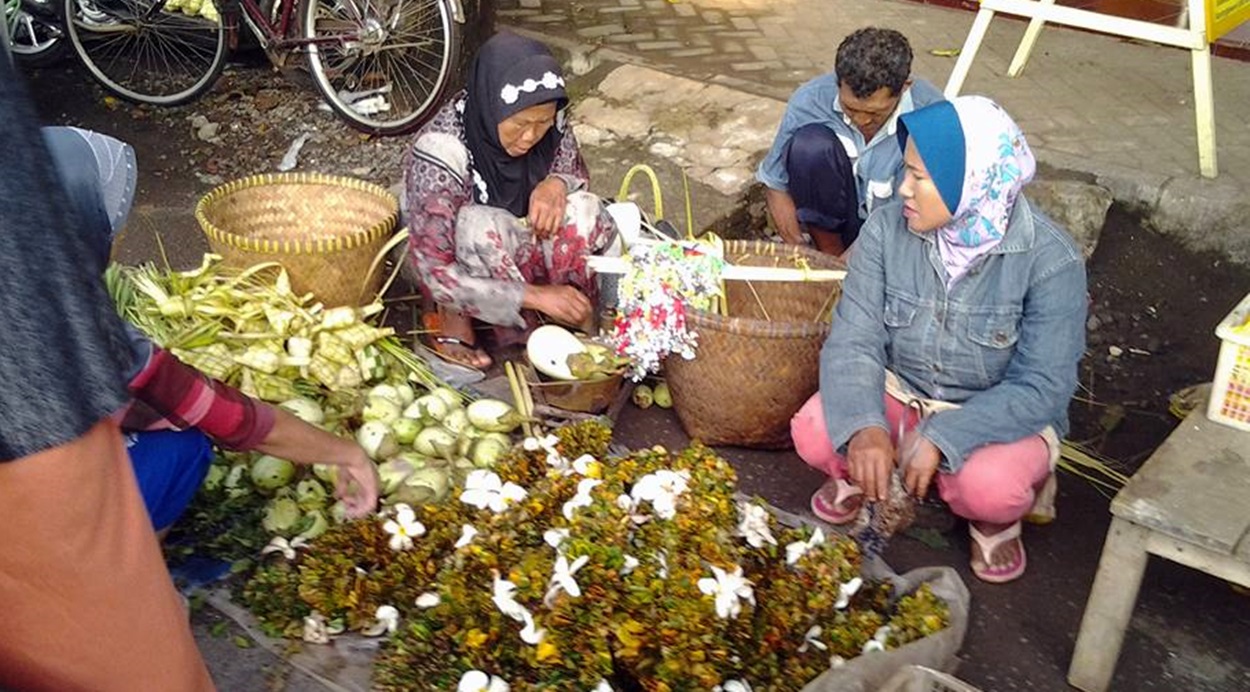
x=835 y=157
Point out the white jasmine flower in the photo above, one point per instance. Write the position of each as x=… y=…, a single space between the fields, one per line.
x=845 y=591
x=728 y=588
x=662 y=558
x=812 y=640
x=796 y=550
x=754 y=526
x=631 y=564
x=554 y=537
x=429 y=599
x=877 y=643
x=467 y=532
x=477 y=681
x=282 y=545
x=836 y=661
x=625 y=502
x=403 y=528
x=504 y=597
x=388 y=617
x=530 y=634
x=733 y=686
x=562 y=578
x=582 y=498
x=484 y=489
x=603 y=686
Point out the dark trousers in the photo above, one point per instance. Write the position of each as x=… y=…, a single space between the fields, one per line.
x=822 y=182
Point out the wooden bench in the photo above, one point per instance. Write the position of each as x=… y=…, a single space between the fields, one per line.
x=1189 y=503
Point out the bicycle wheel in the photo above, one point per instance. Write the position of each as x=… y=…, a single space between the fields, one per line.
x=162 y=52
x=381 y=64
x=35 y=36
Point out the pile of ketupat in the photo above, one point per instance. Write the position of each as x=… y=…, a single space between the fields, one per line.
x=333 y=368
x=567 y=568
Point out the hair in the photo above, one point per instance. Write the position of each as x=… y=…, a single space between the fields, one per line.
x=871 y=58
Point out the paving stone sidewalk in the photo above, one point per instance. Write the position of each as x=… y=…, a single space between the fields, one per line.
x=1117 y=109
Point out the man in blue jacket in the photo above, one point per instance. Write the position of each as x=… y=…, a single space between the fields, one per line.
x=836 y=157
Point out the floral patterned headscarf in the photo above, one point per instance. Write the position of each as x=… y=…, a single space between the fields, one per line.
x=979 y=160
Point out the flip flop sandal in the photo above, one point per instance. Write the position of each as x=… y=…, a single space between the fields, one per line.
x=1043 y=511
x=988 y=545
x=434 y=341
x=826 y=508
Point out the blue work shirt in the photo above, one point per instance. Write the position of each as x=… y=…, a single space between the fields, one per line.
x=1003 y=342
x=878 y=164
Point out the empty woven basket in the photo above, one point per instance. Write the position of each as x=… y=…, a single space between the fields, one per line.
x=326 y=230
x=752 y=371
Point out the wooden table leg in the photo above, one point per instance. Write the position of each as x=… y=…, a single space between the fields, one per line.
x=1110 y=606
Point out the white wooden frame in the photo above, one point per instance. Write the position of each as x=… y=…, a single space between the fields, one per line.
x=1193 y=39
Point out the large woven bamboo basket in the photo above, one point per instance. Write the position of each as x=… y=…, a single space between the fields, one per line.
x=753 y=370
x=326 y=230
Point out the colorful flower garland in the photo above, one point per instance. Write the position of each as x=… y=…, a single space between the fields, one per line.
x=664 y=280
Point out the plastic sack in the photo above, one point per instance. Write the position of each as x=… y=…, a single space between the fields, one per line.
x=868 y=672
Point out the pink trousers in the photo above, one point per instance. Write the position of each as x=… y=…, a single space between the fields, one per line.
x=996 y=484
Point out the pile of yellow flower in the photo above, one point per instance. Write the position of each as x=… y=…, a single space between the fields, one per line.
x=564 y=568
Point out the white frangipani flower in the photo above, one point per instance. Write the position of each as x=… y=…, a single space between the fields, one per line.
x=846 y=591
x=467 y=532
x=662 y=558
x=631 y=564
x=811 y=640
x=728 y=588
x=733 y=686
x=282 y=545
x=530 y=633
x=503 y=595
x=603 y=686
x=429 y=599
x=879 y=638
x=315 y=630
x=587 y=466
x=388 y=617
x=582 y=498
x=661 y=489
x=796 y=550
x=754 y=525
x=477 y=681
x=554 y=537
x=484 y=489
x=403 y=528
x=562 y=579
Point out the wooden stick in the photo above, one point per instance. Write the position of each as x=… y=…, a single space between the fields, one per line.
x=617 y=265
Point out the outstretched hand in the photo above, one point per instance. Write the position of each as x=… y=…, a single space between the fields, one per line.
x=357 y=484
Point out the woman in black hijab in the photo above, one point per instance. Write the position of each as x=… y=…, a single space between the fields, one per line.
x=496 y=200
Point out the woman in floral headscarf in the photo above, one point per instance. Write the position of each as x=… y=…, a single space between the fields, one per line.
x=954 y=350
x=495 y=197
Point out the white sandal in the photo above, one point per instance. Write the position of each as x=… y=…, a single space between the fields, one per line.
x=988 y=545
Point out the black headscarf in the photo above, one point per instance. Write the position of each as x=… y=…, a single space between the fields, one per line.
x=510 y=74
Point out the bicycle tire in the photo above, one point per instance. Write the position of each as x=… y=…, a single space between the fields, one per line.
x=176 y=57
x=35 y=40
x=351 y=47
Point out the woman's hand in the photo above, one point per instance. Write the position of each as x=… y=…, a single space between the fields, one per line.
x=547 y=203
x=870 y=458
x=920 y=466
x=357 y=484
x=564 y=304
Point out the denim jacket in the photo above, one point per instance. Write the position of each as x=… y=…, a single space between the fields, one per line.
x=1003 y=342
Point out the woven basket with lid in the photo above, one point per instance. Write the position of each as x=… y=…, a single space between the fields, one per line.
x=326 y=230
x=751 y=373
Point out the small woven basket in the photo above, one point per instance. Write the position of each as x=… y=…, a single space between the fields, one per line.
x=752 y=371
x=326 y=230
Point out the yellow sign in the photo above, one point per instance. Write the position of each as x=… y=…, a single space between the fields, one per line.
x=1225 y=15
